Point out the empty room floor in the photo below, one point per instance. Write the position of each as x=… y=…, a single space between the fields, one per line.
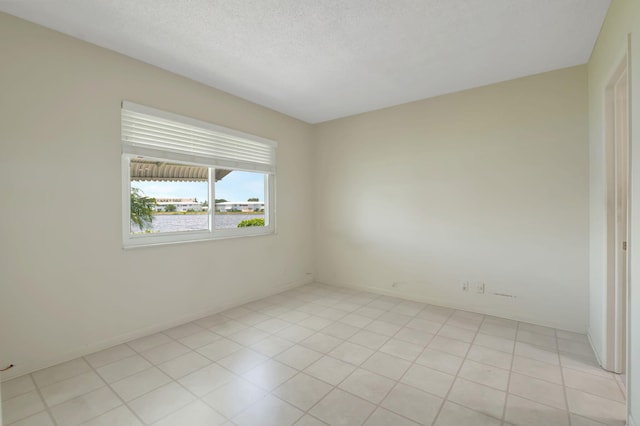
x=320 y=355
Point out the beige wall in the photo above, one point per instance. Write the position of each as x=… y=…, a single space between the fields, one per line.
x=67 y=287
x=487 y=185
x=622 y=20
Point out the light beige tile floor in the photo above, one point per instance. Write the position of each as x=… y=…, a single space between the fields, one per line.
x=325 y=355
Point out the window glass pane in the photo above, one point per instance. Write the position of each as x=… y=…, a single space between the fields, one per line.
x=240 y=199
x=168 y=197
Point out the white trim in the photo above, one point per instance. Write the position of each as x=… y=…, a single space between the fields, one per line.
x=594 y=348
x=127 y=337
x=156 y=239
x=615 y=299
x=126 y=199
x=629 y=370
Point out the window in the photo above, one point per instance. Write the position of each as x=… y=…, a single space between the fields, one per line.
x=187 y=180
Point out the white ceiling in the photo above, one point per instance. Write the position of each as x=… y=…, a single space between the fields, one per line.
x=318 y=60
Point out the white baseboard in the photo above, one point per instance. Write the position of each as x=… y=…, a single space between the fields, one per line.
x=104 y=344
x=631 y=421
x=594 y=349
x=452 y=305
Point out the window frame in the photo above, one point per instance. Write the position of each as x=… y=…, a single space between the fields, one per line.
x=130 y=240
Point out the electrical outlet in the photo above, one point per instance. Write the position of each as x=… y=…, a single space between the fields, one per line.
x=480 y=288
x=464 y=285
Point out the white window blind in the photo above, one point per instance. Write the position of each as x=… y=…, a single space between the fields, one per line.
x=154 y=133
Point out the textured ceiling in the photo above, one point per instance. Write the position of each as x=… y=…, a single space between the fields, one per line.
x=318 y=60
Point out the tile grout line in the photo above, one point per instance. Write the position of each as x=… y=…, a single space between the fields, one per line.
x=46 y=406
x=622 y=387
x=513 y=358
x=124 y=403
x=94 y=370
x=270 y=392
x=561 y=367
x=412 y=363
x=455 y=377
x=238 y=376
x=564 y=385
x=345 y=299
x=153 y=365
x=215 y=362
x=190 y=348
x=38 y=390
x=388 y=338
x=267 y=392
x=334 y=387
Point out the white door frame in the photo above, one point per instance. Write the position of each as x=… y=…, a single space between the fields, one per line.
x=617 y=152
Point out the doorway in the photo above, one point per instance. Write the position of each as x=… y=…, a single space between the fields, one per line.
x=617 y=142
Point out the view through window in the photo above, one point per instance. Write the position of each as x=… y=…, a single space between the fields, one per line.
x=172 y=197
x=240 y=199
